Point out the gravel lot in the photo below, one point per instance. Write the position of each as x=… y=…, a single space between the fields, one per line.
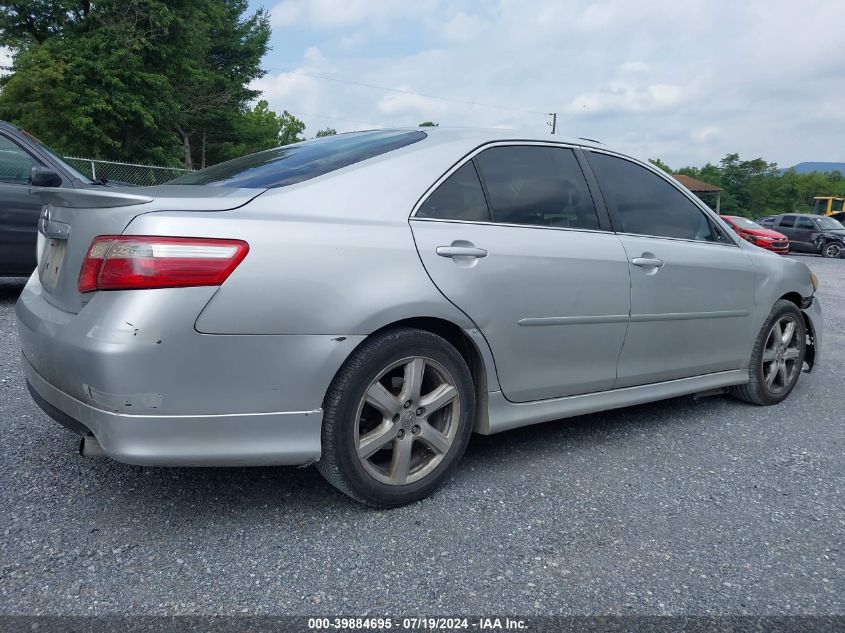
x=680 y=507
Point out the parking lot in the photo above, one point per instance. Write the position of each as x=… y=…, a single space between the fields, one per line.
x=681 y=507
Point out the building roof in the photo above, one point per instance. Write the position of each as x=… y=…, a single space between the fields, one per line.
x=695 y=185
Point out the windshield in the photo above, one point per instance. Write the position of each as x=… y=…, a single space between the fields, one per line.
x=73 y=172
x=829 y=224
x=290 y=164
x=744 y=223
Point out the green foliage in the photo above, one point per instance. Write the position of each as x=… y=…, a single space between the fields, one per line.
x=329 y=131
x=660 y=164
x=429 y=124
x=754 y=188
x=140 y=80
x=291 y=128
x=256 y=129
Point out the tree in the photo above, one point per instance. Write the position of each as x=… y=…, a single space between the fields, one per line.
x=290 y=129
x=134 y=80
x=329 y=131
x=754 y=188
x=659 y=163
x=256 y=129
x=212 y=84
x=428 y=124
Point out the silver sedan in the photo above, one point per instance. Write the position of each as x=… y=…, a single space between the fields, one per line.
x=366 y=301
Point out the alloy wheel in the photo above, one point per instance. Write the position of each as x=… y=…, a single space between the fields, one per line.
x=407 y=421
x=832 y=250
x=782 y=354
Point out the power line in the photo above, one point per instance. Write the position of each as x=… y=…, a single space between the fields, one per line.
x=406 y=92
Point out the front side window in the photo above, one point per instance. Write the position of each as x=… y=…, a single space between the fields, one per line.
x=642 y=203
x=538 y=186
x=290 y=164
x=459 y=197
x=806 y=223
x=15 y=163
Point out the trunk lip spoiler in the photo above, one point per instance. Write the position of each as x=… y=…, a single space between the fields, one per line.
x=87 y=198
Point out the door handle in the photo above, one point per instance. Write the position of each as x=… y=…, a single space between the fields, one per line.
x=461 y=251
x=647 y=262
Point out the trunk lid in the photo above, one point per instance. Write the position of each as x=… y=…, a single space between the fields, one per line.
x=72 y=218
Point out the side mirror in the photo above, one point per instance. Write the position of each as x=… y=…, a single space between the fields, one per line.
x=43 y=177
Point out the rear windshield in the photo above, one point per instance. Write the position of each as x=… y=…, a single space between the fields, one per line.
x=290 y=164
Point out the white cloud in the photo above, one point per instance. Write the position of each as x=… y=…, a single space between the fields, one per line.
x=343 y=13
x=5 y=60
x=418 y=106
x=463 y=26
x=634 y=67
x=688 y=81
x=624 y=98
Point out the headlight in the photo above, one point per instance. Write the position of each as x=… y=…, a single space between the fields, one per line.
x=815 y=281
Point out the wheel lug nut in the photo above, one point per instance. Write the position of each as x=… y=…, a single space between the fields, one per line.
x=420 y=411
x=396 y=418
x=415 y=429
x=401 y=433
x=408 y=404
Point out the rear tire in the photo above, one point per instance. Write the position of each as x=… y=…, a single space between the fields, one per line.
x=396 y=418
x=777 y=358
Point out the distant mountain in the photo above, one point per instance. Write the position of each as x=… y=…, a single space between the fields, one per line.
x=806 y=168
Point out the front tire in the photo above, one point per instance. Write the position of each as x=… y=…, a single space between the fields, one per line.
x=777 y=358
x=397 y=418
x=831 y=250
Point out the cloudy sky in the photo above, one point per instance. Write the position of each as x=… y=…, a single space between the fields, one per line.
x=684 y=81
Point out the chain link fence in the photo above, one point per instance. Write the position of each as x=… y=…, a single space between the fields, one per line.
x=125 y=172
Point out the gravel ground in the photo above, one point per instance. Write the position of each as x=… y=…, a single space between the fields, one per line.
x=679 y=507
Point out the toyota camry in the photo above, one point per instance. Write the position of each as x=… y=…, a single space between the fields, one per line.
x=365 y=302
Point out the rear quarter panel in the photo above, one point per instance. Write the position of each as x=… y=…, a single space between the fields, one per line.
x=334 y=256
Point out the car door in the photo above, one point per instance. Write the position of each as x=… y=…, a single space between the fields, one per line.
x=692 y=287
x=19 y=211
x=805 y=233
x=538 y=270
x=786 y=225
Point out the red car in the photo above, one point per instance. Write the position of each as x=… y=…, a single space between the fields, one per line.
x=758 y=235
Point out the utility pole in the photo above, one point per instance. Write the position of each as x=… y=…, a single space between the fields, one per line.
x=554 y=121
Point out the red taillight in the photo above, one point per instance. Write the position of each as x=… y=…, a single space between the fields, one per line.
x=126 y=262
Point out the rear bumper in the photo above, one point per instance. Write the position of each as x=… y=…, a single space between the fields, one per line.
x=131 y=369
x=256 y=439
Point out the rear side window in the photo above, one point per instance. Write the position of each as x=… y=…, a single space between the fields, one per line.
x=538 y=186
x=642 y=203
x=15 y=163
x=788 y=221
x=290 y=164
x=459 y=197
